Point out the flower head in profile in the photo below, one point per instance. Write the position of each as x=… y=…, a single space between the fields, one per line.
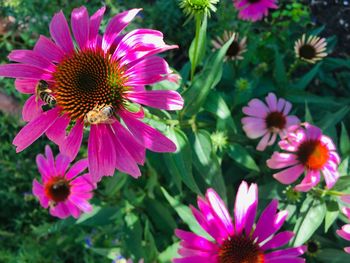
x=238 y=239
x=307 y=150
x=198 y=7
x=92 y=82
x=254 y=10
x=63 y=190
x=267 y=120
x=311 y=49
x=344 y=232
x=236 y=49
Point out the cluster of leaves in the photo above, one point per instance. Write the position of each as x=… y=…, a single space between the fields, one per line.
x=137 y=218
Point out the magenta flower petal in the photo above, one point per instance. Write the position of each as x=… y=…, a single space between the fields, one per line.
x=34 y=129
x=278 y=240
x=63 y=195
x=311 y=179
x=236 y=245
x=124 y=161
x=31 y=109
x=148 y=136
x=60 y=32
x=245 y=211
x=77 y=168
x=62 y=163
x=71 y=144
x=191 y=240
x=116 y=25
x=138 y=151
x=24 y=71
x=95 y=21
x=26 y=86
x=48 y=49
x=80 y=26
x=282 y=160
x=161 y=99
x=220 y=210
x=254 y=11
x=32 y=58
x=57 y=131
x=289 y=175
x=38 y=191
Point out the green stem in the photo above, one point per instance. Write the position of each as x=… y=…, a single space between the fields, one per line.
x=196 y=42
x=328 y=192
x=293 y=67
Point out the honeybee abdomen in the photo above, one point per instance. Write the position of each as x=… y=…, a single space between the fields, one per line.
x=48 y=98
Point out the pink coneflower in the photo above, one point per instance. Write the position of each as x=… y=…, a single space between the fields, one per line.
x=236 y=49
x=267 y=120
x=307 y=149
x=344 y=232
x=254 y=10
x=63 y=191
x=237 y=241
x=98 y=71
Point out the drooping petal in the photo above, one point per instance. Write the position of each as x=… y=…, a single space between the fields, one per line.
x=80 y=26
x=81 y=203
x=278 y=240
x=289 y=175
x=60 y=32
x=138 y=152
x=38 y=191
x=148 y=136
x=71 y=144
x=60 y=211
x=161 y=99
x=57 y=131
x=34 y=129
x=256 y=108
x=193 y=241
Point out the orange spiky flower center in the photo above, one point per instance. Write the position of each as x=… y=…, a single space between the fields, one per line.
x=313 y=154
x=87 y=79
x=240 y=249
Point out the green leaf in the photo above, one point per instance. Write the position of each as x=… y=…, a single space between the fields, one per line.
x=342 y=184
x=133 y=235
x=160 y=215
x=311 y=217
x=197 y=93
x=179 y=163
x=196 y=56
x=152 y=251
x=169 y=253
x=240 y=155
x=216 y=105
x=331 y=214
x=304 y=81
x=185 y=213
x=328 y=255
x=280 y=70
x=206 y=162
x=308 y=117
x=331 y=119
x=344 y=141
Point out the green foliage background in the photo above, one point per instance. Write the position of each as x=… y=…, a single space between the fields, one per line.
x=137 y=218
